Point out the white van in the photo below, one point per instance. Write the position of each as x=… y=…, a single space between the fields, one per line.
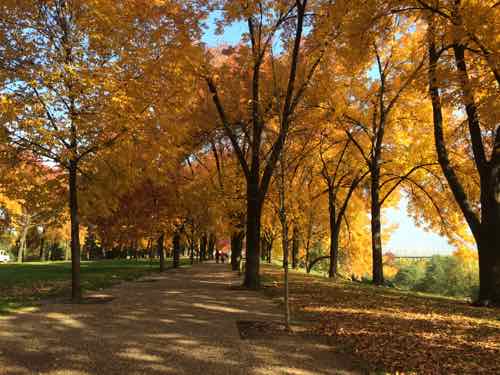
x=4 y=257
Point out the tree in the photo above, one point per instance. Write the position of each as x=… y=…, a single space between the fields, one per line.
x=70 y=80
x=343 y=175
x=284 y=238
x=397 y=66
x=263 y=26
x=482 y=213
x=35 y=193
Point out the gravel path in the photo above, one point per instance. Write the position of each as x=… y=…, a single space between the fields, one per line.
x=182 y=323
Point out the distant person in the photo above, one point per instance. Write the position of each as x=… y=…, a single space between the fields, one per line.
x=217 y=256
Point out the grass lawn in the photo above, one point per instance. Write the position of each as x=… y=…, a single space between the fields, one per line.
x=393 y=330
x=23 y=284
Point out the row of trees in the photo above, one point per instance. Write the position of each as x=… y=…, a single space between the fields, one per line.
x=324 y=114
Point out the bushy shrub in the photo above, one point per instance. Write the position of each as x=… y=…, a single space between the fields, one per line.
x=409 y=275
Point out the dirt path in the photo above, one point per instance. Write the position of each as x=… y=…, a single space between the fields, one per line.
x=183 y=323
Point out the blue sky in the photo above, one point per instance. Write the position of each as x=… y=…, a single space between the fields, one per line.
x=232 y=34
x=408 y=239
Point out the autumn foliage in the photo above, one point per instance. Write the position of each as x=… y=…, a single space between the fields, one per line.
x=124 y=133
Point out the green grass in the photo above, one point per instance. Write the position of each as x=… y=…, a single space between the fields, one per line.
x=23 y=284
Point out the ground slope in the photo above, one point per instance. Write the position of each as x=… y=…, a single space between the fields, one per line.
x=393 y=330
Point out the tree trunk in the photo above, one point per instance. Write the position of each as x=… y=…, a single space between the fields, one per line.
x=191 y=251
x=252 y=264
x=149 y=247
x=197 y=246
x=485 y=231
x=284 y=260
x=177 y=249
x=267 y=246
x=22 y=242
x=295 y=247
x=308 y=256
x=236 y=249
x=269 y=250
x=211 y=245
x=489 y=257
x=488 y=241
x=49 y=253
x=377 y=267
x=258 y=180
x=263 y=248
x=76 y=290
x=488 y=244
x=203 y=246
x=161 y=253
x=308 y=241
x=311 y=265
x=334 y=238
x=284 y=241
x=67 y=252
x=42 y=249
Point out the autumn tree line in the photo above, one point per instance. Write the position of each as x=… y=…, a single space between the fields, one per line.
x=116 y=118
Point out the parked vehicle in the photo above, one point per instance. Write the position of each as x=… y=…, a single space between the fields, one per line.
x=4 y=256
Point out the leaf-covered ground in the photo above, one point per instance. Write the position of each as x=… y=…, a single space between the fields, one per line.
x=394 y=330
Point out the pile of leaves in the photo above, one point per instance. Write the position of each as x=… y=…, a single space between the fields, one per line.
x=396 y=331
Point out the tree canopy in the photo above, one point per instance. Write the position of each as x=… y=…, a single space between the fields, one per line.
x=116 y=118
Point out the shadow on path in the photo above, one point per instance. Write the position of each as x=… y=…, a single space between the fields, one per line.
x=183 y=323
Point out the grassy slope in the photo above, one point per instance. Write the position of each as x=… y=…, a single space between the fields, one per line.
x=22 y=284
x=395 y=330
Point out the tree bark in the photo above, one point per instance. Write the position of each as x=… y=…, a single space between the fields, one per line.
x=149 y=248
x=197 y=249
x=269 y=251
x=252 y=263
x=203 y=247
x=311 y=265
x=67 y=252
x=177 y=249
x=76 y=290
x=284 y=239
x=377 y=266
x=49 y=254
x=161 y=253
x=22 y=242
x=488 y=249
x=308 y=239
x=191 y=250
x=263 y=248
x=489 y=245
x=266 y=246
x=285 y=266
x=236 y=249
x=334 y=234
x=211 y=245
x=295 y=247
x=42 y=249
